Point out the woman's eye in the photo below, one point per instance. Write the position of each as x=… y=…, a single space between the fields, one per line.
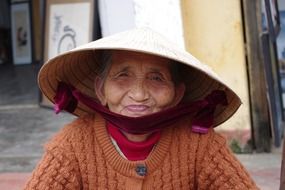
x=156 y=77
x=123 y=75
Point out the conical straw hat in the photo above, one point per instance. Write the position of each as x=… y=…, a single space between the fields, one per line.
x=79 y=68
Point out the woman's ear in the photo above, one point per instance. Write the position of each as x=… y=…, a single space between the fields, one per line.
x=99 y=90
x=179 y=93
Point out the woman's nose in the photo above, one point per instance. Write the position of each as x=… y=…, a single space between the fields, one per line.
x=138 y=91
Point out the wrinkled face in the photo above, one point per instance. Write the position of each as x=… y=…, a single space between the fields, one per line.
x=138 y=84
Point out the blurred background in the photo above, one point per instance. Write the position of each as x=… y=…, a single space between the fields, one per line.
x=243 y=41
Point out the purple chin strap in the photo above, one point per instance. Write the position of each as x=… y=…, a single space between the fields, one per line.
x=202 y=111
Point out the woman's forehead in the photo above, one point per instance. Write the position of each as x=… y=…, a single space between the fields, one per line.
x=136 y=59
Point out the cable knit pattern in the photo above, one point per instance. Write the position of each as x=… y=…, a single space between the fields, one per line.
x=82 y=156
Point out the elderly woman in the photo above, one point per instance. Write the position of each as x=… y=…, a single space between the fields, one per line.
x=146 y=116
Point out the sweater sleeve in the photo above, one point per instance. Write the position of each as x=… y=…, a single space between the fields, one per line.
x=58 y=168
x=219 y=168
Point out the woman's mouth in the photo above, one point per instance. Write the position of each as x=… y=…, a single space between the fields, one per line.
x=136 y=110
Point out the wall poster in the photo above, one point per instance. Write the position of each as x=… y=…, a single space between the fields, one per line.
x=21 y=33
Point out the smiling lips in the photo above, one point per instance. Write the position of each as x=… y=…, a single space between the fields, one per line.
x=137 y=110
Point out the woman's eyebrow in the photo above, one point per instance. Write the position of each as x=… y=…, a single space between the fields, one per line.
x=123 y=68
x=154 y=69
x=157 y=70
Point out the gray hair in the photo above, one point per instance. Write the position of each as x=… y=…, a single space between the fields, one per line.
x=105 y=63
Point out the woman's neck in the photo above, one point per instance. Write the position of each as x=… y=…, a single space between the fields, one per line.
x=136 y=137
x=133 y=146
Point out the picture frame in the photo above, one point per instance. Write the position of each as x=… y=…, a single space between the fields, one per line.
x=68 y=24
x=21 y=32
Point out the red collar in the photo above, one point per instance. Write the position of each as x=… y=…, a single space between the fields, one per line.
x=133 y=150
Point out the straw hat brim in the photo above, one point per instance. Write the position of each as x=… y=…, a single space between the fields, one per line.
x=78 y=68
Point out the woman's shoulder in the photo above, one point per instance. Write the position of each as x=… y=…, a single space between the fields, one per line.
x=78 y=125
x=184 y=128
x=72 y=132
x=204 y=141
x=212 y=138
x=200 y=144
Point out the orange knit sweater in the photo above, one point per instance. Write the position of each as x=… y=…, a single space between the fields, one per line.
x=82 y=156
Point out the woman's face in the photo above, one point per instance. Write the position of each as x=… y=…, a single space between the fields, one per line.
x=138 y=84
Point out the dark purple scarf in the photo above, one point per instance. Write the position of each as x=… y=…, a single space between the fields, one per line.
x=202 y=111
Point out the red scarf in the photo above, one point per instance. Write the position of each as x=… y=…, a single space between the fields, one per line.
x=202 y=111
x=133 y=150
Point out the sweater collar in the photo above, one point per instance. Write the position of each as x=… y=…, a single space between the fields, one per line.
x=126 y=167
x=130 y=149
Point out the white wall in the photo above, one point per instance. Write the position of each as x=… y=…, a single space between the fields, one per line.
x=163 y=16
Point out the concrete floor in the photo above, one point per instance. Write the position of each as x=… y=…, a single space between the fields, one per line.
x=25 y=127
x=23 y=132
x=264 y=168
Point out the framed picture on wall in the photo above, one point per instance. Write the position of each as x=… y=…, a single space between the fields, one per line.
x=21 y=33
x=68 y=24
